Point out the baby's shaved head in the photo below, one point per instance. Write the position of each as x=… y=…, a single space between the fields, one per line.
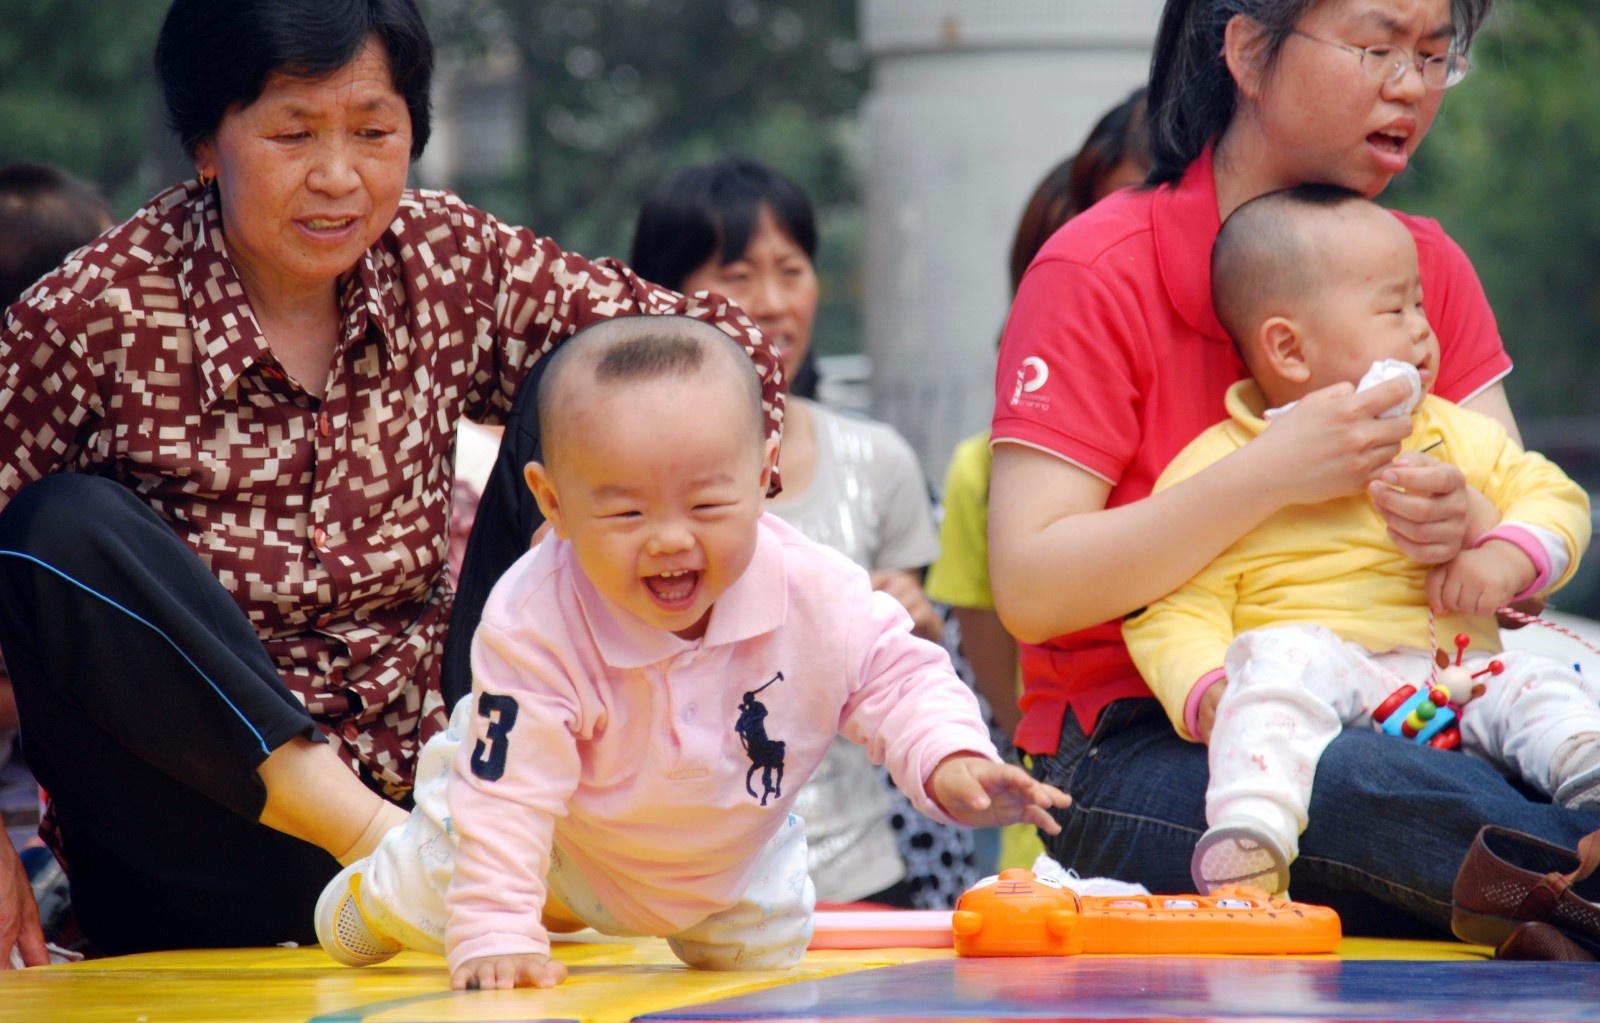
x=637 y=349
x=1267 y=252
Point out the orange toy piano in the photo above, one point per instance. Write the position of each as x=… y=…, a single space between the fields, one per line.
x=1017 y=913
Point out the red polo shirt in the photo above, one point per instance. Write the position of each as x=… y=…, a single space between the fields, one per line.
x=1114 y=360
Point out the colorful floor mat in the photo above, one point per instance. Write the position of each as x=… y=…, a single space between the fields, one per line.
x=615 y=983
x=607 y=984
x=1175 y=989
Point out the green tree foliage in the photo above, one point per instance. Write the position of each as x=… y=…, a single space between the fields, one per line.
x=1512 y=169
x=77 y=89
x=616 y=94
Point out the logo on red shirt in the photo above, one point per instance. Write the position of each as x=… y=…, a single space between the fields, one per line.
x=1030 y=377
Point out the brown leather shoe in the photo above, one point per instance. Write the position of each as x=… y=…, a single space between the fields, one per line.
x=1542 y=943
x=1509 y=877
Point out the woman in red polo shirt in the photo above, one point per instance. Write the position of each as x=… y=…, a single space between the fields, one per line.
x=1113 y=360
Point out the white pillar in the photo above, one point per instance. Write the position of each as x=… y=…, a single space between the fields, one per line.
x=971 y=102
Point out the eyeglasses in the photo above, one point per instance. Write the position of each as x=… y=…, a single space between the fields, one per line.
x=1389 y=63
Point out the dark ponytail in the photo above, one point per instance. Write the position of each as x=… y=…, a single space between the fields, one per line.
x=1191 y=95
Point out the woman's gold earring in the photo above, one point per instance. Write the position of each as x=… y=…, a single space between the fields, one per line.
x=207 y=180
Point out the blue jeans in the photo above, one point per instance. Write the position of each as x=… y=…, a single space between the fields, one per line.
x=1390 y=820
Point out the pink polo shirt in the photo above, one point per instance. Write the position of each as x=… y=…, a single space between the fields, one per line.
x=1113 y=359
x=626 y=745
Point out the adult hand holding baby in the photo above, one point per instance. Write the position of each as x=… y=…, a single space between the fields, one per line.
x=979 y=792
x=1336 y=440
x=1331 y=443
x=1427 y=506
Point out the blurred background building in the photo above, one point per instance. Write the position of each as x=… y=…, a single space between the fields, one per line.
x=970 y=103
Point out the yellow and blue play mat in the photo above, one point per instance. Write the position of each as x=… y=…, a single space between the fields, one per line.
x=613 y=983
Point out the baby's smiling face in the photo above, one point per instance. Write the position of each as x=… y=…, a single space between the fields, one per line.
x=659 y=490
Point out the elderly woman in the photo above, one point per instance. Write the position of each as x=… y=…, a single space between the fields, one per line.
x=1113 y=359
x=229 y=425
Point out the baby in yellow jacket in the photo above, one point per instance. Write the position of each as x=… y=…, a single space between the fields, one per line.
x=1315 y=617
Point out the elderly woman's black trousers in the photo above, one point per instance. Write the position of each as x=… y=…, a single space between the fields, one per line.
x=147 y=703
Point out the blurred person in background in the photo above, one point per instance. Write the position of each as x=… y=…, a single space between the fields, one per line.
x=1114 y=155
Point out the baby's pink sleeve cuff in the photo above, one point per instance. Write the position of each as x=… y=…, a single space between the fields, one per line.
x=1527 y=543
x=1191 y=706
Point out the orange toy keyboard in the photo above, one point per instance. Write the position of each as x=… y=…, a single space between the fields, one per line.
x=1019 y=914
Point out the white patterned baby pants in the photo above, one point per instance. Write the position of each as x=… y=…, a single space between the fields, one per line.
x=1292 y=688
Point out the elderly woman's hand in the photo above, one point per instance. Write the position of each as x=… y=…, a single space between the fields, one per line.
x=19 y=914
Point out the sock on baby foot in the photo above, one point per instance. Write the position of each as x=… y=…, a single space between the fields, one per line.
x=1575 y=773
x=385 y=817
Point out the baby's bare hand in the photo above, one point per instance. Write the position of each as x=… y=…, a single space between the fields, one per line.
x=19 y=914
x=1480 y=581
x=499 y=972
x=1206 y=713
x=981 y=793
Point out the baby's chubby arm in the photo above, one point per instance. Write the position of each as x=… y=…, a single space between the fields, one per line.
x=979 y=792
x=1206 y=712
x=1534 y=532
x=508 y=971
x=1481 y=580
x=514 y=772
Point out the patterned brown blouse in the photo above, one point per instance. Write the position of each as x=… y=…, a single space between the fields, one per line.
x=139 y=359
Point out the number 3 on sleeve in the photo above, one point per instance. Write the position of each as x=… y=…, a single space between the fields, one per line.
x=489 y=755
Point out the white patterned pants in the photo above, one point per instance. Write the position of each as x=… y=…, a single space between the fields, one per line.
x=1292 y=688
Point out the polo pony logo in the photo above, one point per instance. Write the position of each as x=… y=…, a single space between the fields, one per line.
x=766 y=754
